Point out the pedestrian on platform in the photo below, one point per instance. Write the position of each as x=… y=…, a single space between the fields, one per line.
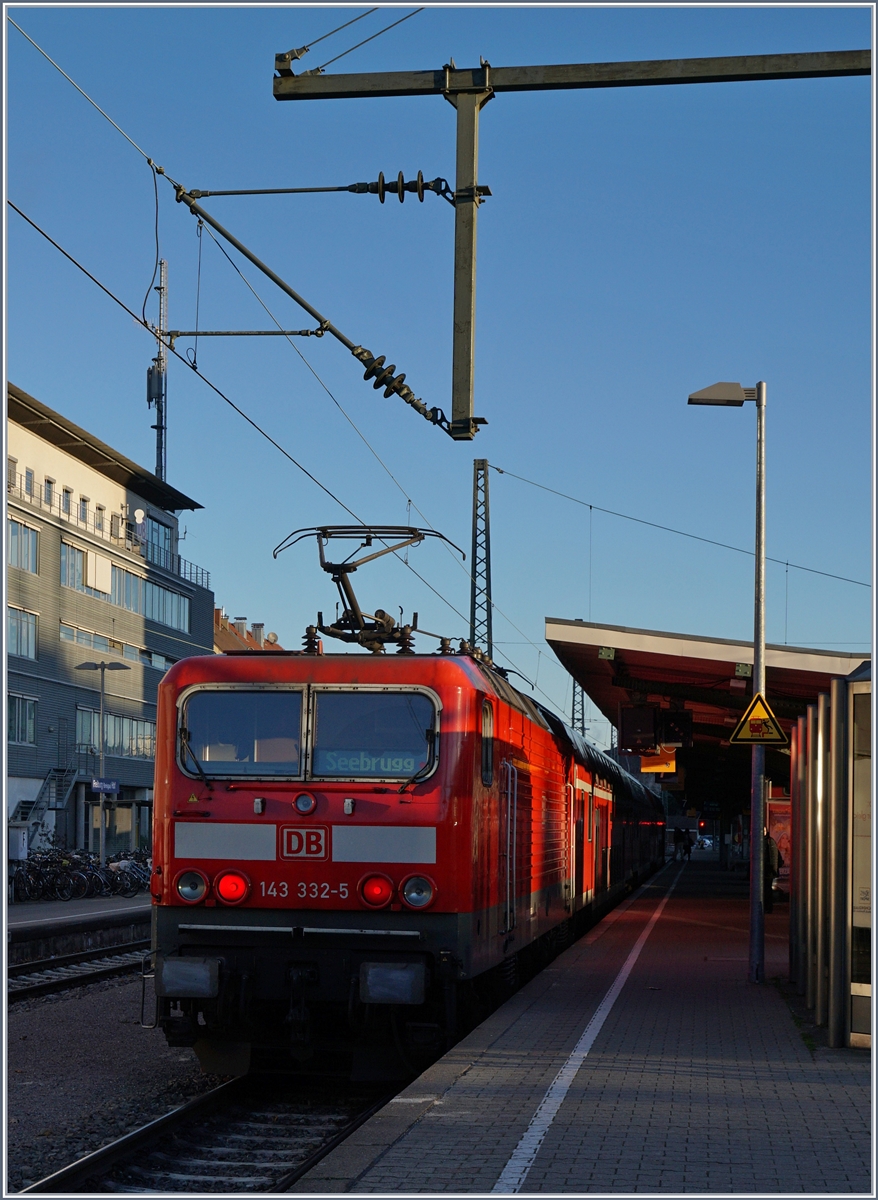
x=678 y=843
x=687 y=846
x=772 y=866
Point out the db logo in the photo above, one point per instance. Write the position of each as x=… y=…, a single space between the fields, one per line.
x=303 y=843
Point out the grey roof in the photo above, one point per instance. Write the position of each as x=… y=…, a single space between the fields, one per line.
x=862 y=673
x=32 y=414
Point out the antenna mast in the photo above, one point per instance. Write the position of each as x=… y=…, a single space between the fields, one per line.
x=157 y=378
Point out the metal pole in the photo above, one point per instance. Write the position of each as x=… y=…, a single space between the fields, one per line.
x=757 y=770
x=184 y=197
x=811 y=857
x=820 y=860
x=837 y=865
x=800 y=856
x=795 y=805
x=466 y=209
x=103 y=667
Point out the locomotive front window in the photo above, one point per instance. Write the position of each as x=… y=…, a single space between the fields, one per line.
x=242 y=733
x=377 y=735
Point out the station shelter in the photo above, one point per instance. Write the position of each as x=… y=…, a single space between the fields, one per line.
x=676 y=699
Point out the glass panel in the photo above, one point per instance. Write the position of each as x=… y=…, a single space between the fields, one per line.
x=861 y=787
x=372 y=734
x=487 y=743
x=67 y=634
x=243 y=733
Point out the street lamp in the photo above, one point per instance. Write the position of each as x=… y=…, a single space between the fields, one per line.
x=102 y=667
x=732 y=395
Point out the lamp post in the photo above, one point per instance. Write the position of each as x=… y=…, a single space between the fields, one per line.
x=732 y=395
x=102 y=667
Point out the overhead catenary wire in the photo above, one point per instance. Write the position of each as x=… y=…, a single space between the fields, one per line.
x=329 y=62
x=218 y=391
x=668 y=529
x=183 y=359
x=304 y=49
x=160 y=170
x=385 y=467
x=192 y=365
x=94 y=103
x=155 y=268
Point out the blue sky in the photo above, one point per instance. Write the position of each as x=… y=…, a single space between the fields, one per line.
x=639 y=244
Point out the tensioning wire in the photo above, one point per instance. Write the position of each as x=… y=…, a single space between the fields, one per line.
x=679 y=532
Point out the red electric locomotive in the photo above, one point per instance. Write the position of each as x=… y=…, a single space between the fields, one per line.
x=340 y=832
x=352 y=852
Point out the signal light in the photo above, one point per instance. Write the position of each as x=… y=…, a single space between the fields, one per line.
x=376 y=890
x=232 y=887
x=191 y=886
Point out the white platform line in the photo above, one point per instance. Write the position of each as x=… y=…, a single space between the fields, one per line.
x=522 y=1159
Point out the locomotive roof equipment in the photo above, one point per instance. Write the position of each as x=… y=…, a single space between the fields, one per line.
x=375 y=630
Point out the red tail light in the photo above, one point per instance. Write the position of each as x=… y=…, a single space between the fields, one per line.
x=232 y=887
x=376 y=890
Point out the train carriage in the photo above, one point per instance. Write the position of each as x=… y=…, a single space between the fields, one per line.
x=353 y=854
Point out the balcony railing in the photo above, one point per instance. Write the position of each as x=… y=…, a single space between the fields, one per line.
x=110 y=527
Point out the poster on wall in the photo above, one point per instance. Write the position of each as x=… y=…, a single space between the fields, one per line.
x=779 y=829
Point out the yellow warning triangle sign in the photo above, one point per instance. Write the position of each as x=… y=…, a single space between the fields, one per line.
x=758 y=726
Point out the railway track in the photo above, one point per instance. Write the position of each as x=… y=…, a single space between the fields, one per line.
x=41 y=976
x=251 y=1135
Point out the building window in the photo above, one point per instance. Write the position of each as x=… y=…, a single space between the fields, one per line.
x=124 y=737
x=22 y=722
x=66 y=499
x=29 y=481
x=75 y=571
x=11 y=473
x=22 y=546
x=49 y=492
x=99 y=518
x=115 y=525
x=83 y=508
x=128 y=591
x=21 y=633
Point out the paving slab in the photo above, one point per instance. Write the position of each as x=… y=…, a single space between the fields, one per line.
x=697 y=1081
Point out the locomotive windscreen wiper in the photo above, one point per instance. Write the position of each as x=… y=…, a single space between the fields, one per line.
x=184 y=744
x=425 y=770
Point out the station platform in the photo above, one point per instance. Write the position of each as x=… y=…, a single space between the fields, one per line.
x=640 y=1060
x=52 y=913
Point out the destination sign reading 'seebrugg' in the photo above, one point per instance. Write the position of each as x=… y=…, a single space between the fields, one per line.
x=758 y=726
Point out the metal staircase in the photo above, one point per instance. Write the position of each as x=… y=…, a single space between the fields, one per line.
x=54 y=794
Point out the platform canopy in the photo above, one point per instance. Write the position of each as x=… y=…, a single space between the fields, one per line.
x=710 y=677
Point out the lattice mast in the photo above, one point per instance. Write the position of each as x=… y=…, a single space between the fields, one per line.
x=577 y=711
x=481 y=608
